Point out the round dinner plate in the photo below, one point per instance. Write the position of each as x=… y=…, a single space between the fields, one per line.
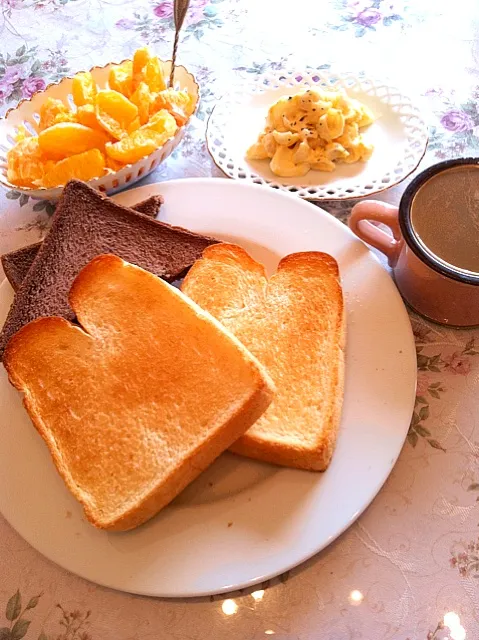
x=241 y=521
x=399 y=134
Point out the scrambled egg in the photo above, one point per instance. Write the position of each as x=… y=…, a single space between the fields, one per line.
x=313 y=130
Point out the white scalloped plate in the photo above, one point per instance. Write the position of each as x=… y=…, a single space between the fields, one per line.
x=399 y=135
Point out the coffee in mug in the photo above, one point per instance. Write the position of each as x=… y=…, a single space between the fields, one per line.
x=445 y=216
x=434 y=247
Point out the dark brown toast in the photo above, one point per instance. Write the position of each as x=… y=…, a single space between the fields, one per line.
x=17 y=263
x=84 y=226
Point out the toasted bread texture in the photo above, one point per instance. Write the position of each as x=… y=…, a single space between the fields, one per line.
x=136 y=402
x=294 y=325
x=86 y=225
x=16 y=264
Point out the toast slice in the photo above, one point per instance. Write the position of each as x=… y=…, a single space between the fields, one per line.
x=294 y=325
x=85 y=225
x=141 y=398
x=17 y=263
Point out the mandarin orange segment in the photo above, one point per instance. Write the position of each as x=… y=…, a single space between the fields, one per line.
x=174 y=100
x=65 y=117
x=69 y=138
x=114 y=112
x=141 y=58
x=154 y=75
x=180 y=118
x=49 y=110
x=83 y=166
x=113 y=165
x=120 y=78
x=86 y=115
x=133 y=126
x=163 y=122
x=142 y=98
x=179 y=103
x=135 y=147
x=25 y=162
x=110 y=125
x=47 y=166
x=83 y=89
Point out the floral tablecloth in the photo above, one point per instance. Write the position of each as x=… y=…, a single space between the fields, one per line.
x=408 y=569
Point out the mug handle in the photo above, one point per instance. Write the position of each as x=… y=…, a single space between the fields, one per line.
x=361 y=222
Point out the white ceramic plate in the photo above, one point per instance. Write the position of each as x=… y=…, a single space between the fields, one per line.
x=241 y=521
x=399 y=135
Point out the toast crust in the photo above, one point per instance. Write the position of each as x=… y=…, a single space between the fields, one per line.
x=96 y=456
x=87 y=224
x=16 y=264
x=295 y=324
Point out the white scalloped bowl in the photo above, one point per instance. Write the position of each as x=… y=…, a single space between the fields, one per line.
x=27 y=113
x=399 y=135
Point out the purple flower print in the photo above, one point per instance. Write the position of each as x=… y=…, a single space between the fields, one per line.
x=10 y=77
x=31 y=86
x=195 y=11
x=457 y=121
x=125 y=23
x=5 y=90
x=368 y=17
x=12 y=74
x=164 y=9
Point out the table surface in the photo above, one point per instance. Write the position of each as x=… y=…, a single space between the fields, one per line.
x=408 y=568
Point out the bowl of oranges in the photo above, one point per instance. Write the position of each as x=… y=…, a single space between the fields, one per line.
x=110 y=127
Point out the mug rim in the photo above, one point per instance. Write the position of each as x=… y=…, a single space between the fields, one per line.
x=409 y=234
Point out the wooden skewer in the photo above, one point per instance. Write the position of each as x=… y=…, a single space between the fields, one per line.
x=180 y=8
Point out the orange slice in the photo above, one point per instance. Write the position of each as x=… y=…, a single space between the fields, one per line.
x=154 y=75
x=86 y=115
x=142 y=98
x=25 y=162
x=133 y=126
x=49 y=111
x=83 y=89
x=83 y=166
x=69 y=138
x=179 y=103
x=114 y=112
x=141 y=58
x=135 y=147
x=163 y=122
x=120 y=78
x=113 y=165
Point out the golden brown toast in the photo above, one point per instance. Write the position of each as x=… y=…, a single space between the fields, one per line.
x=294 y=324
x=136 y=402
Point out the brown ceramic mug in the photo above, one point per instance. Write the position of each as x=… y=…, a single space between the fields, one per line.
x=434 y=247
